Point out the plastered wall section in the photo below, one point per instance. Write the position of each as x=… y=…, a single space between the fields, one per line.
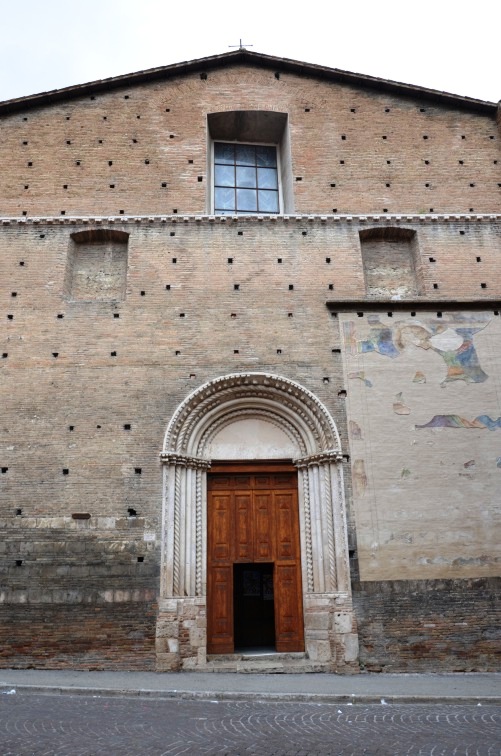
x=144 y=149
x=424 y=417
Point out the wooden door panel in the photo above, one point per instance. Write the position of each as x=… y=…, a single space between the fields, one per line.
x=220 y=611
x=243 y=527
x=284 y=480
x=221 y=481
x=220 y=527
x=263 y=526
x=262 y=481
x=289 y=635
x=287 y=525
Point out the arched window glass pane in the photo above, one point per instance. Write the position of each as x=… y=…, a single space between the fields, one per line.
x=245 y=154
x=266 y=157
x=267 y=178
x=224 y=175
x=268 y=201
x=224 y=153
x=224 y=199
x=246 y=177
x=246 y=200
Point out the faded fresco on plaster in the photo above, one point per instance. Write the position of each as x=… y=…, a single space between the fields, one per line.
x=355 y=431
x=399 y=407
x=419 y=377
x=453 y=342
x=361 y=375
x=359 y=477
x=426 y=502
x=455 y=421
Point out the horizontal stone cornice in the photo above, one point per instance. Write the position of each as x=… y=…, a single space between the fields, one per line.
x=386 y=219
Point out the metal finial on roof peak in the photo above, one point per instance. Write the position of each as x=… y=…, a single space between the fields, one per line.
x=241 y=45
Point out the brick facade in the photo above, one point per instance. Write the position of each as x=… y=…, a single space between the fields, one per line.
x=122 y=296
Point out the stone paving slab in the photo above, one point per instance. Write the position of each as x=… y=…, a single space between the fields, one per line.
x=99 y=726
x=363 y=688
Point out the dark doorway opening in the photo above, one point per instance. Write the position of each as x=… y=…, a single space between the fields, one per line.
x=254 y=606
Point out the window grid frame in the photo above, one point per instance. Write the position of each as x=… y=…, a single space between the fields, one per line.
x=235 y=142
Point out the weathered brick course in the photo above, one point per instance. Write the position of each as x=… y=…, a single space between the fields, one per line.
x=428 y=625
x=118 y=636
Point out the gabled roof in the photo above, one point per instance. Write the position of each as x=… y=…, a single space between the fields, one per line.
x=243 y=56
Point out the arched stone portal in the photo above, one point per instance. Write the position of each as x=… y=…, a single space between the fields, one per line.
x=253 y=416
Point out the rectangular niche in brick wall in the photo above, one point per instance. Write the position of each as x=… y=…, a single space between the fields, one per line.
x=97 y=265
x=390 y=258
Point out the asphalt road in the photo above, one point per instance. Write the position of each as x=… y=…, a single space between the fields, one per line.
x=65 y=725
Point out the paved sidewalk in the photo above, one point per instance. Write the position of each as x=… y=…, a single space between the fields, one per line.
x=480 y=688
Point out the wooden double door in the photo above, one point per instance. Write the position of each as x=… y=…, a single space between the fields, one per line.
x=254 y=595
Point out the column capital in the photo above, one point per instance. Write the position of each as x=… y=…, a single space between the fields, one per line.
x=182 y=460
x=329 y=455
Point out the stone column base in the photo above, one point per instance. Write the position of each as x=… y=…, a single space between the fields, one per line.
x=330 y=632
x=181 y=636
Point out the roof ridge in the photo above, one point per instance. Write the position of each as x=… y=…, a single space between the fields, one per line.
x=246 y=56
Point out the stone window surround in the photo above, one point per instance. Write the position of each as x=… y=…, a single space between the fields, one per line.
x=252 y=127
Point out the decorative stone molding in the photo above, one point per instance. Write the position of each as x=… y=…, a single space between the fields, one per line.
x=172 y=458
x=332 y=455
x=291 y=404
x=186 y=457
x=337 y=219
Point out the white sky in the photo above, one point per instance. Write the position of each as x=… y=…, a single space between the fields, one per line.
x=450 y=45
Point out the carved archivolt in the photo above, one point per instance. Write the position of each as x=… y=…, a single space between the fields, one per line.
x=307 y=423
x=295 y=409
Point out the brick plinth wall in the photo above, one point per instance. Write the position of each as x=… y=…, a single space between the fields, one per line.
x=429 y=625
x=118 y=637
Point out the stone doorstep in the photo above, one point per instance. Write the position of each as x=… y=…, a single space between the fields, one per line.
x=274 y=656
x=264 y=667
x=287 y=663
